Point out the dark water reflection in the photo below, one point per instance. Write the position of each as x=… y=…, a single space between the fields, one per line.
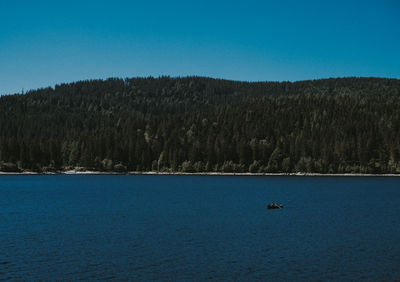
x=199 y=228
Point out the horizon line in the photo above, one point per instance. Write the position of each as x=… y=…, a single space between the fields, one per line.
x=23 y=91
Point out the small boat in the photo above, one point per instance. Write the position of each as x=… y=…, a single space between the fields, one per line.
x=274 y=206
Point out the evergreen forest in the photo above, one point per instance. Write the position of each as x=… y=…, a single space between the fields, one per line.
x=198 y=124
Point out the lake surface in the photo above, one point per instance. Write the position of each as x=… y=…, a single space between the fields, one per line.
x=198 y=228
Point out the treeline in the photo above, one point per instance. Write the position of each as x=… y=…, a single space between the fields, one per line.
x=195 y=124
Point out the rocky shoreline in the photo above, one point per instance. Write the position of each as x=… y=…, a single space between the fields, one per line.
x=88 y=172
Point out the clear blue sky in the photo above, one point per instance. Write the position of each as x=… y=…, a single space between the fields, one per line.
x=48 y=42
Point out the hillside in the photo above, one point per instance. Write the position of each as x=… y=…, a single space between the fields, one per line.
x=196 y=124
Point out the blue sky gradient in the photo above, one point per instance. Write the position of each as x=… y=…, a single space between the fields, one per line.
x=47 y=42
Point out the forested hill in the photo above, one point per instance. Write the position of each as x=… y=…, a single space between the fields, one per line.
x=195 y=124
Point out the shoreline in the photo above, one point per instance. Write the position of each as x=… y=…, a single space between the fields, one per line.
x=89 y=172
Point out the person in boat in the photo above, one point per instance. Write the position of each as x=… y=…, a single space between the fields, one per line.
x=274 y=205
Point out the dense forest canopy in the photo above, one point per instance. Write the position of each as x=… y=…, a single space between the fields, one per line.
x=196 y=124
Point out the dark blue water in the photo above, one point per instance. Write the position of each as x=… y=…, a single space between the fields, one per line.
x=199 y=228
